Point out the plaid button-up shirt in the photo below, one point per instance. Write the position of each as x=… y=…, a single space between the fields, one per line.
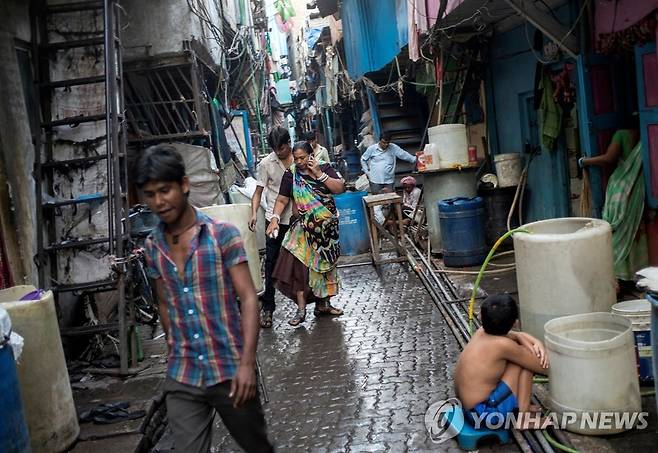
x=205 y=338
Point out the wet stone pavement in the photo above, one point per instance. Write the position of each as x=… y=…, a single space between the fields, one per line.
x=360 y=382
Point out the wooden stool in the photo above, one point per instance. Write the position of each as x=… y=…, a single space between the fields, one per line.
x=375 y=229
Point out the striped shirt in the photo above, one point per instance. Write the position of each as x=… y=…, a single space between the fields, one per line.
x=205 y=338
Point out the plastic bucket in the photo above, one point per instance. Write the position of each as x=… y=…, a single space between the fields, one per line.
x=508 y=169
x=352 y=224
x=452 y=145
x=639 y=313
x=462 y=231
x=593 y=371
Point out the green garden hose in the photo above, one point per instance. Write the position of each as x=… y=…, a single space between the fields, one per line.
x=471 y=304
x=557 y=444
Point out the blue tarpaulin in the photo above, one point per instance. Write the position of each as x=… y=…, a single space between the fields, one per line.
x=312 y=36
x=374 y=32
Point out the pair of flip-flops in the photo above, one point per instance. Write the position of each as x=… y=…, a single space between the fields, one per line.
x=107 y=413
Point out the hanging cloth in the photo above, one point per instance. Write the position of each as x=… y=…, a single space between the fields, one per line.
x=623 y=209
x=550 y=114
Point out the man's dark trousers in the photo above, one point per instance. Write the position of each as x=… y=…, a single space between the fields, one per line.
x=272 y=249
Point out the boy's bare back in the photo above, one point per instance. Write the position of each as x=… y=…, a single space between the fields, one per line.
x=480 y=367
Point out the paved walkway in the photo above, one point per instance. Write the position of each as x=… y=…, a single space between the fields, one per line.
x=360 y=382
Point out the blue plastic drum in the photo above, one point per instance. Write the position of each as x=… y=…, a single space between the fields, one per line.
x=13 y=430
x=352 y=225
x=653 y=299
x=462 y=231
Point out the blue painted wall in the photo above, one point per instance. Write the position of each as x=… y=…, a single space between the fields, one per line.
x=374 y=32
x=512 y=122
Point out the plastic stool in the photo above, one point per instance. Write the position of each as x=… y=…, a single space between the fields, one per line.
x=468 y=437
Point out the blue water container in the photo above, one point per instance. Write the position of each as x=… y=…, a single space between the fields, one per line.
x=353 y=227
x=462 y=231
x=13 y=430
x=353 y=159
x=653 y=299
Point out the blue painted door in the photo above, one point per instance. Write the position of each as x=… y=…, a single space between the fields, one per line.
x=601 y=105
x=647 y=88
x=547 y=190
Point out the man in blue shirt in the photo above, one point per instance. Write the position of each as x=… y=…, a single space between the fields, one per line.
x=378 y=163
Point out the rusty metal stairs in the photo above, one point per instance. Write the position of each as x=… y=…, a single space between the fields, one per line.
x=111 y=161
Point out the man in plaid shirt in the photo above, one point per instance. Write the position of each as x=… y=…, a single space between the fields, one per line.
x=200 y=270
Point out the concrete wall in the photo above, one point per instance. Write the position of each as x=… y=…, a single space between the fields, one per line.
x=155 y=27
x=17 y=200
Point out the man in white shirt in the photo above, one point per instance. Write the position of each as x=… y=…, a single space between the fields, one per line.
x=319 y=152
x=270 y=173
x=378 y=163
x=410 y=194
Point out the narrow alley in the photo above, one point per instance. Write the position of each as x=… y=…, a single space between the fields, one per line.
x=328 y=226
x=363 y=381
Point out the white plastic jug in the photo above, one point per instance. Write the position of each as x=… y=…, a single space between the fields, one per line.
x=432 y=158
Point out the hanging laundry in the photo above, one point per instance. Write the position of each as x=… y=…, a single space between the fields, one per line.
x=550 y=113
x=417 y=23
x=284 y=15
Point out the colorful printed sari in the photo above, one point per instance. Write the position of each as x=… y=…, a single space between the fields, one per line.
x=313 y=236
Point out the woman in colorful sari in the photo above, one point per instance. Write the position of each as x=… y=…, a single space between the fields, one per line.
x=306 y=269
x=624 y=200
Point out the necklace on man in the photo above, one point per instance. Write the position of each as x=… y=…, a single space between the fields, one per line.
x=174 y=237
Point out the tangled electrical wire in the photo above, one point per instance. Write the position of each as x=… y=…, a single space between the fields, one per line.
x=240 y=53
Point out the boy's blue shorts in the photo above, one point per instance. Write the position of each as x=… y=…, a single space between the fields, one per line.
x=493 y=410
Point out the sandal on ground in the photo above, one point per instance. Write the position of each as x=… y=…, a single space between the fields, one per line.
x=266 y=319
x=108 y=413
x=327 y=310
x=116 y=416
x=299 y=317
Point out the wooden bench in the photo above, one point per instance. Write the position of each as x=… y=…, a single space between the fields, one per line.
x=375 y=229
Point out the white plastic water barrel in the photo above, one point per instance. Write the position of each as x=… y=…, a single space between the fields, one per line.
x=237 y=197
x=592 y=371
x=563 y=267
x=239 y=215
x=638 y=312
x=47 y=399
x=452 y=144
x=509 y=167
